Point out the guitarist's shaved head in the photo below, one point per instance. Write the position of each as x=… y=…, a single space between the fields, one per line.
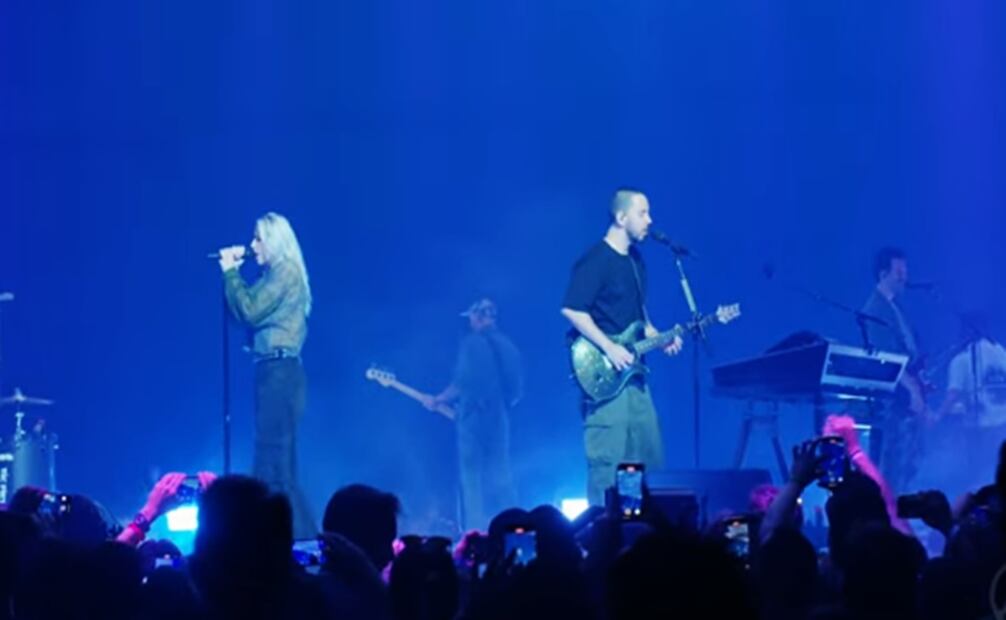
x=622 y=200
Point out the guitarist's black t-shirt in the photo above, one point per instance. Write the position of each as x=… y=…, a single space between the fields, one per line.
x=603 y=284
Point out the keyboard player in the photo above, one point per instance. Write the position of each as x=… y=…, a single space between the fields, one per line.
x=901 y=421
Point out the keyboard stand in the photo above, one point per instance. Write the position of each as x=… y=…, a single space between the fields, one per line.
x=770 y=421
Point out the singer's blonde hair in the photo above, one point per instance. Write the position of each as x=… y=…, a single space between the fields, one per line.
x=280 y=244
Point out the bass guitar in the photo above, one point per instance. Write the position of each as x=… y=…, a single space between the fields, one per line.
x=388 y=380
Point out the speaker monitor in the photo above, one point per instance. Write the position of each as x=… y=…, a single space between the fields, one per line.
x=716 y=491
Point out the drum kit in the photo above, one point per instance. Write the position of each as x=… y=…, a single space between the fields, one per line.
x=28 y=456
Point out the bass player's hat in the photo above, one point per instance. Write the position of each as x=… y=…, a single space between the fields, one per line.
x=484 y=308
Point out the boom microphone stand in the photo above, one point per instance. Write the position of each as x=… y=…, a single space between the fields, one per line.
x=225 y=352
x=226 y=365
x=862 y=318
x=4 y=297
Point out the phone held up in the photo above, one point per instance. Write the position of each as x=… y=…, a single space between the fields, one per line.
x=629 y=489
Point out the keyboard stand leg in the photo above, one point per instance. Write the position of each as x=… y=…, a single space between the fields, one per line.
x=745 y=437
x=780 y=455
x=752 y=419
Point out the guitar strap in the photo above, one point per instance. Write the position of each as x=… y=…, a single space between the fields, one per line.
x=639 y=288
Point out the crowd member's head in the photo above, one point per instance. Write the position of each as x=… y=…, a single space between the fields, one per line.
x=556 y=541
x=159 y=553
x=882 y=568
x=668 y=575
x=760 y=498
x=856 y=502
x=786 y=576
x=1000 y=481
x=424 y=582
x=72 y=517
x=242 y=560
x=502 y=523
x=366 y=517
x=113 y=581
x=947 y=589
x=50 y=584
x=18 y=536
x=976 y=552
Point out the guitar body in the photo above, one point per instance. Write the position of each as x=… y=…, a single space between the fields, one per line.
x=918 y=391
x=595 y=373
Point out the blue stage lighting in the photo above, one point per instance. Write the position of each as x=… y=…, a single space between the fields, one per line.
x=183 y=519
x=572 y=507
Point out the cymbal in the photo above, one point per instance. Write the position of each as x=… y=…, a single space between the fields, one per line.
x=18 y=398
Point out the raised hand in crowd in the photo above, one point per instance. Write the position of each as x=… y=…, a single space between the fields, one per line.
x=844 y=426
x=806 y=463
x=163 y=497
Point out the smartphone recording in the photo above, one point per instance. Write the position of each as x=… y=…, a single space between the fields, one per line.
x=629 y=489
x=833 y=462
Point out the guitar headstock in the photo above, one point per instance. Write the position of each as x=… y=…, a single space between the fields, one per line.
x=725 y=314
x=384 y=377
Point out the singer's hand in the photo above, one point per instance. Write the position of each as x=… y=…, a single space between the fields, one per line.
x=232 y=257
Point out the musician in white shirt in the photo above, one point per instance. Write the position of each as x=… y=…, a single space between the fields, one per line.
x=976 y=392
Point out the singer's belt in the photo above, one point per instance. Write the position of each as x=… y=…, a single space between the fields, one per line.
x=276 y=354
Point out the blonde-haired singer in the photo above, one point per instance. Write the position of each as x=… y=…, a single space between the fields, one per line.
x=275 y=310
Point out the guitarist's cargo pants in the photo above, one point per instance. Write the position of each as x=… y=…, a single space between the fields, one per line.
x=621 y=430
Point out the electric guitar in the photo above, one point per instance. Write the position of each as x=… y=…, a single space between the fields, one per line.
x=388 y=380
x=595 y=373
x=915 y=381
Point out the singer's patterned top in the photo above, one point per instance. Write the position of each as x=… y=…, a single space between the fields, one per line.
x=274 y=308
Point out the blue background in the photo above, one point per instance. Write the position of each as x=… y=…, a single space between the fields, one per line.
x=428 y=153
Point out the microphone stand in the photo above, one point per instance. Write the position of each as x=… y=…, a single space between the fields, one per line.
x=226 y=366
x=1 y=348
x=225 y=369
x=977 y=335
x=862 y=318
x=4 y=297
x=698 y=337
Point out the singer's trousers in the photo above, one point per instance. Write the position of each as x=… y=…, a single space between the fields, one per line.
x=280 y=392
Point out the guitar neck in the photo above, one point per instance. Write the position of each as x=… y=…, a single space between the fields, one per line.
x=409 y=391
x=663 y=339
x=444 y=410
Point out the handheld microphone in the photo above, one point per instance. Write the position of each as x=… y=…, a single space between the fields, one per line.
x=244 y=254
x=661 y=238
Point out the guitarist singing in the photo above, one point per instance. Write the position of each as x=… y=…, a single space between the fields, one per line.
x=902 y=426
x=487 y=382
x=606 y=294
